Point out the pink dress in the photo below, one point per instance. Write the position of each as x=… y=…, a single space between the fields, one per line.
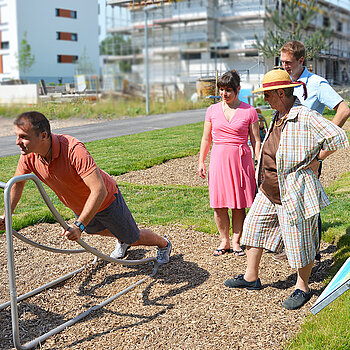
x=231 y=170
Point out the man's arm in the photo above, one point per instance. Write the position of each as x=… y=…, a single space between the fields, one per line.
x=16 y=193
x=98 y=193
x=342 y=114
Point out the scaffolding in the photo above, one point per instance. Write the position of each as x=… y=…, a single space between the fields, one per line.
x=194 y=39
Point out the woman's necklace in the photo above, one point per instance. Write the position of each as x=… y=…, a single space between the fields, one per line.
x=281 y=121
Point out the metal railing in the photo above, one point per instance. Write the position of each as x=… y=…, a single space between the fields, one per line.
x=11 y=265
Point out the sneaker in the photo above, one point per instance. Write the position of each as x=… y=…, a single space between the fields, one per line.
x=297 y=299
x=240 y=282
x=163 y=254
x=120 y=250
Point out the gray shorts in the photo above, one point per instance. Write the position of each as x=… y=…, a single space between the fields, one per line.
x=117 y=219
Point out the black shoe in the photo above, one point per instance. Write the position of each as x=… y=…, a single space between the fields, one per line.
x=297 y=299
x=240 y=282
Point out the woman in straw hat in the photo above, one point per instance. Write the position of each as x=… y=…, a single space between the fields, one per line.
x=290 y=196
x=231 y=171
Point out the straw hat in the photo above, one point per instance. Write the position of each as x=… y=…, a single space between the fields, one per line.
x=276 y=79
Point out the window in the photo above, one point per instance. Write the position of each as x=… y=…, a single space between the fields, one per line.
x=215 y=54
x=66 y=13
x=66 y=59
x=4 y=45
x=339 y=26
x=191 y=56
x=66 y=36
x=326 y=21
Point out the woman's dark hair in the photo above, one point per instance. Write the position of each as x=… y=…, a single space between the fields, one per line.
x=229 y=79
x=38 y=120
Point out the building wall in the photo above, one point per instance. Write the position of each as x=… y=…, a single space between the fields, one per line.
x=8 y=29
x=37 y=18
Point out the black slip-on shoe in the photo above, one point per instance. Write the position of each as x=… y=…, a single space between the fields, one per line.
x=240 y=282
x=296 y=300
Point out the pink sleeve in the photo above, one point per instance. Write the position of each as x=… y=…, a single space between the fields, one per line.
x=253 y=115
x=208 y=114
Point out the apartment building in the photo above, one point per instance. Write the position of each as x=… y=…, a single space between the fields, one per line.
x=190 y=39
x=59 y=32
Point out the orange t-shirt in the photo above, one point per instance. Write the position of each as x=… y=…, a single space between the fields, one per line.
x=70 y=163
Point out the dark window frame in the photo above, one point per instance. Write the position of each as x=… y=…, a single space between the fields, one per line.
x=74 y=59
x=73 y=13
x=73 y=36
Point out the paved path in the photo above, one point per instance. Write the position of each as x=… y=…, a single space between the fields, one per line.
x=105 y=130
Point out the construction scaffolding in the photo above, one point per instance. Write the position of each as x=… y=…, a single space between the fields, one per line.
x=193 y=39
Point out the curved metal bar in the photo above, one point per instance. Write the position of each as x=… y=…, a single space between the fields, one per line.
x=12 y=278
x=44 y=247
x=60 y=220
x=47 y=201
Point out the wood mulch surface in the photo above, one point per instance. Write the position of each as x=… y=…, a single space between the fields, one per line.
x=185 y=306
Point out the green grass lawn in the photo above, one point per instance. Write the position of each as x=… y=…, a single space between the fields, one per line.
x=189 y=206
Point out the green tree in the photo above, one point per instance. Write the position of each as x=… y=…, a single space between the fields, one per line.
x=117 y=45
x=293 y=21
x=25 y=59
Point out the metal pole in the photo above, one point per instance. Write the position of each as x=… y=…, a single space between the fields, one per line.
x=146 y=62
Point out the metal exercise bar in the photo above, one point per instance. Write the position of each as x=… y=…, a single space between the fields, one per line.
x=11 y=266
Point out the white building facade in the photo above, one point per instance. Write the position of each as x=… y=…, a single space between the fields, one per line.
x=59 y=32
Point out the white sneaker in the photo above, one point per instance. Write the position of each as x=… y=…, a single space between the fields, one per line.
x=163 y=254
x=120 y=250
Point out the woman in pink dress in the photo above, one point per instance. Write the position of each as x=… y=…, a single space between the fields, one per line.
x=231 y=170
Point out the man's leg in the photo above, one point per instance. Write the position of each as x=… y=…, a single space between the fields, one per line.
x=301 y=244
x=303 y=277
x=149 y=238
x=301 y=294
x=117 y=221
x=253 y=262
x=260 y=230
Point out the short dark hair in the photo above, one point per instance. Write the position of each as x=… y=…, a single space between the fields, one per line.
x=38 y=120
x=229 y=79
x=295 y=47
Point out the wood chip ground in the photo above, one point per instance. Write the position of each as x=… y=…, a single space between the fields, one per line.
x=185 y=306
